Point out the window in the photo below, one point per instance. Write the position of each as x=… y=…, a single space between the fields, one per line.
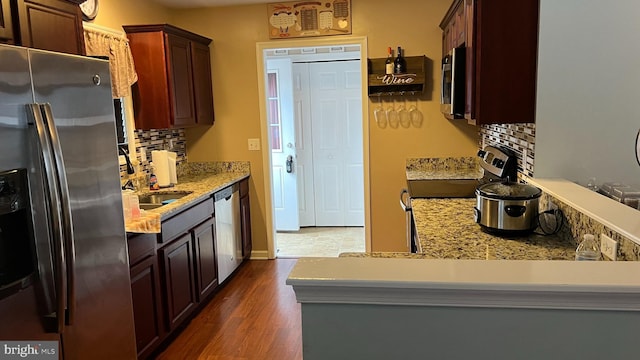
x=273 y=103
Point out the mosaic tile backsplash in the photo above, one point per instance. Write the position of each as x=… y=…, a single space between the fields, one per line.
x=158 y=139
x=520 y=138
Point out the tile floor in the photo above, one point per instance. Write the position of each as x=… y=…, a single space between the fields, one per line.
x=320 y=242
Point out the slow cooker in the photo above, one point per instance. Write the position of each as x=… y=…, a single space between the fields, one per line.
x=507 y=207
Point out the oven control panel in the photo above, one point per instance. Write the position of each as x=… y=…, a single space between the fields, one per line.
x=500 y=163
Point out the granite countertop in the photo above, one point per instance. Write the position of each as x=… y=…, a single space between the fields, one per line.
x=443 y=174
x=446 y=230
x=202 y=187
x=443 y=168
x=201 y=183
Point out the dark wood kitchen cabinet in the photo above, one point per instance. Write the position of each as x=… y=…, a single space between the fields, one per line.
x=146 y=293
x=54 y=25
x=453 y=28
x=203 y=92
x=205 y=254
x=501 y=40
x=245 y=219
x=6 y=23
x=178 y=276
x=188 y=258
x=174 y=77
x=147 y=305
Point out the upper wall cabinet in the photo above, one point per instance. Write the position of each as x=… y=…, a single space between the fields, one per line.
x=174 y=77
x=501 y=40
x=6 y=23
x=54 y=25
x=453 y=26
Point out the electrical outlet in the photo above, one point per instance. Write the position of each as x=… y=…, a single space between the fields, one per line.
x=254 y=144
x=608 y=247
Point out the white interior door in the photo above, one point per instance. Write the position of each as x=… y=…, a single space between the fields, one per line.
x=336 y=119
x=282 y=143
x=304 y=144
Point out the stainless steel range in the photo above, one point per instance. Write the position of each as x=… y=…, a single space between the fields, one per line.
x=442 y=180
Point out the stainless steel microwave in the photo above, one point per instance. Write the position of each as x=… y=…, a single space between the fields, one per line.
x=453 y=84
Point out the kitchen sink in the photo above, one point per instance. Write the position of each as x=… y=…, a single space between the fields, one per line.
x=150 y=206
x=160 y=199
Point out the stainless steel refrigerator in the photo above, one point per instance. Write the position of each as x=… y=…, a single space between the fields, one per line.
x=64 y=272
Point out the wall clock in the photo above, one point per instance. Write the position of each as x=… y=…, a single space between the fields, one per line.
x=89 y=10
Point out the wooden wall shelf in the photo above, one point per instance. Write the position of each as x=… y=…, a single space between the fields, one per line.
x=411 y=83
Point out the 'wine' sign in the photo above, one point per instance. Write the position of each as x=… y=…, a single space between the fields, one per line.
x=395 y=79
x=309 y=18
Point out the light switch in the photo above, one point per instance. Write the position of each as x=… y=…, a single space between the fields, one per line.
x=254 y=144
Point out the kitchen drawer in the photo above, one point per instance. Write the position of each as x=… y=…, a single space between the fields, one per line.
x=186 y=220
x=140 y=247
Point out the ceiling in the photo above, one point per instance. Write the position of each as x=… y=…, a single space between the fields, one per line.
x=207 y=3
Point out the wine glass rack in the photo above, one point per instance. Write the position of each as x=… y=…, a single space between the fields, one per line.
x=413 y=82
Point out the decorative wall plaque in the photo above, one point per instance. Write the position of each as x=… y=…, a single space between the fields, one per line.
x=309 y=18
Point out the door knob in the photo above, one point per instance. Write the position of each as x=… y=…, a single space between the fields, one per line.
x=289 y=164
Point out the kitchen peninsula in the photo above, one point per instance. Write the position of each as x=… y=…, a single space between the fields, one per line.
x=460 y=309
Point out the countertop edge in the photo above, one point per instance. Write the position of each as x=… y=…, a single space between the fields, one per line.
x=617 y=216
x=468 y=283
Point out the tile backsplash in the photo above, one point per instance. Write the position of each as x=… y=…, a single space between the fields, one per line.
x=520 y=138
x=161 y=139
x=158 y=139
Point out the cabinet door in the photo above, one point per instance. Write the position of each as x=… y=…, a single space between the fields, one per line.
x=447 y=40
x=147 y=305
x=54 y=25
x=180 y=75
x=470 y=71
x=177 y=261
x=460 y=26
x=6 y=25
x=505 y=54
x=206 y=266
x=245 y=220
x=203 y=93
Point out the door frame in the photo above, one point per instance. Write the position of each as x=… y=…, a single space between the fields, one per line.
x=266 y=158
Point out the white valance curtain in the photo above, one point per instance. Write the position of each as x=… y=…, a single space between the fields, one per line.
x=99 y=42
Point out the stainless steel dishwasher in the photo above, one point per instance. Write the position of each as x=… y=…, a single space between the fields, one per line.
x=228 y=237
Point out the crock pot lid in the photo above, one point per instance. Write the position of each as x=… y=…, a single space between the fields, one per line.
x=509 y=190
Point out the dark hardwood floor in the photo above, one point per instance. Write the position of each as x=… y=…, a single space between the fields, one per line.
x=255 y=316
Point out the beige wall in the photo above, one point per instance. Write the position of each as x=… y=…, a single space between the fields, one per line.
x=235 y=30
x=115 y=13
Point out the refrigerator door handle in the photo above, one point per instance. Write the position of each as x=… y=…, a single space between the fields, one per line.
x=67 y=223
x=53 y=207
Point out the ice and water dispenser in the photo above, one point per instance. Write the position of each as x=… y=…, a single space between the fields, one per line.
x=17 y=256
